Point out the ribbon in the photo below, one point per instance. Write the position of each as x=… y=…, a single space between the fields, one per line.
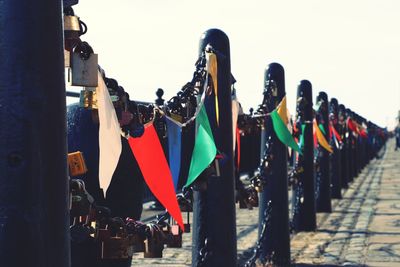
x=204 y=150
x=321 y=138
x=148 y=150
x=109 y=135
x=174 y=150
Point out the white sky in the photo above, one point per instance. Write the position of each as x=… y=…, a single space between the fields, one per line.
x=348 y=48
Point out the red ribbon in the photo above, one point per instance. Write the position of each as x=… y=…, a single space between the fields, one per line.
x=238 y=146
x=333 y=130
x=154 y=166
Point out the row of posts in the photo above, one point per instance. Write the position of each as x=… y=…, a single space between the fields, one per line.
x=34 y=215
x=322 y=174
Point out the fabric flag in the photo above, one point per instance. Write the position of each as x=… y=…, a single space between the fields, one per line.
x=109 y=135
x=363 y=133
x=154 y=167
x=235 y=114
x=238 y=147
x=212 y=69
x=174 y=150
x=335 y=133
x=315 y=138
x=282 y=111
x=280 y=128
x=301 y=141
x=204 y=150
x=352 y=125
x=321 y=138
x=322 y=128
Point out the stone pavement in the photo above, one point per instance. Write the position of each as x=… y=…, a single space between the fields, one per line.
x=362 y=230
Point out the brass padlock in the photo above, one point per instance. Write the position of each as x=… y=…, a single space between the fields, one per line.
x=76 y=164
x=88 y=99
x=84 y=66
x=71 y=23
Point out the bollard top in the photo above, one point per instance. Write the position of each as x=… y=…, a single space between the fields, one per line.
x=304 y=100
x=217 y=39
x=304 y=89
x=275 y=72
x=322 y=96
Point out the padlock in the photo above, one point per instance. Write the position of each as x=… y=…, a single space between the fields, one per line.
x=138 y=243
x=186 y=226
x=84 y=66
x=115 y=244
x=153 y=248
x=76 y=163
x=154 y=244
x=81 y=200
x=88 y=98
x=252 y=197
x=71 y=23
x=137 y=231
x=175 y=240
x=67 y=59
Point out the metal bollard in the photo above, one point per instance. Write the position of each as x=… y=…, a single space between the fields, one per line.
x=304 y=218
x=214 y=218
x=323 y=183
x=344 y=157
x=34 y=216
x=335 y=160
x=351 y=147
x=276 y=245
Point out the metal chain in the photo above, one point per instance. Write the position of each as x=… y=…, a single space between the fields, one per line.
x=259 y=246
x=204 y=254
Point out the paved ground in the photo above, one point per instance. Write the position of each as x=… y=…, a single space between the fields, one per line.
x=362 y=230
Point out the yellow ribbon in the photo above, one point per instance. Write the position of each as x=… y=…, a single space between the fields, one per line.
x=282 y=110
x=321 y=138
x=212 y=69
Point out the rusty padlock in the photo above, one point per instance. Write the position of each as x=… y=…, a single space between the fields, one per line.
x=115 y=244
x=137 y=232
x=252 y=196
x=154 y=243
x=175 y=237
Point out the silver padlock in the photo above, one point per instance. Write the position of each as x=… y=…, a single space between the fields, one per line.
x=84 y=66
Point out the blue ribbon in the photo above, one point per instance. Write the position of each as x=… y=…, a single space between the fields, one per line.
x=174 y=150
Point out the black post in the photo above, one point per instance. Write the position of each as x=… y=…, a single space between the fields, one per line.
x=214 y=218
x=303 y=199
x=276 y=244
x=351 y=144
x=34 y=217
x=335 y=160
x=344 y=157
x=323 y=187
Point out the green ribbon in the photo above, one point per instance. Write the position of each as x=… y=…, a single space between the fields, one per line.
x=321 y=126
x=204 y=150
x=282 y=132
